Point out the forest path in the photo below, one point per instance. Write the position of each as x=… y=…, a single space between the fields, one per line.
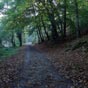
x=38 y=72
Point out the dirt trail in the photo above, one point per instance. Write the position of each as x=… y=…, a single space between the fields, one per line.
x=38 y=72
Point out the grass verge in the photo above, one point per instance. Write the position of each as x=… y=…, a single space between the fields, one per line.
x=7 y=52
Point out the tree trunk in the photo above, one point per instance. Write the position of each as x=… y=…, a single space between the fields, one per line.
x=64 y=31
x=40 y=34
x=54 y=28
x=19 y=35
x=1 y=43
x=44 y=28
x=39 y=40
x=77 y=19
x=53 y=23
x=13 y=40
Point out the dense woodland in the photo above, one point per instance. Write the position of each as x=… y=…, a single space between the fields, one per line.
x=56 y=28
x=52 y=20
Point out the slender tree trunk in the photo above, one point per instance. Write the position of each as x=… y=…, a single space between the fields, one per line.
x=46 y=33
x=64 y=31
x=13 y=40
x=38 y=26
x=54 y=28
x=59 y=20
x=43 y=24
x=40 y=33
x=77 y=18
x=0 y=42
x=19 y=35
x=53 y=23
x=44 y=28
x=39 y=40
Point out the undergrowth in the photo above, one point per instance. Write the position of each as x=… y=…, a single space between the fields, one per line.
x=7 y=52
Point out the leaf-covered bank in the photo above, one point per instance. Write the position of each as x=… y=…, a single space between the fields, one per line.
x=73 y=64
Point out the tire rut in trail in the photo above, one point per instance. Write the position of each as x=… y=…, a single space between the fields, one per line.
x=38 y=72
